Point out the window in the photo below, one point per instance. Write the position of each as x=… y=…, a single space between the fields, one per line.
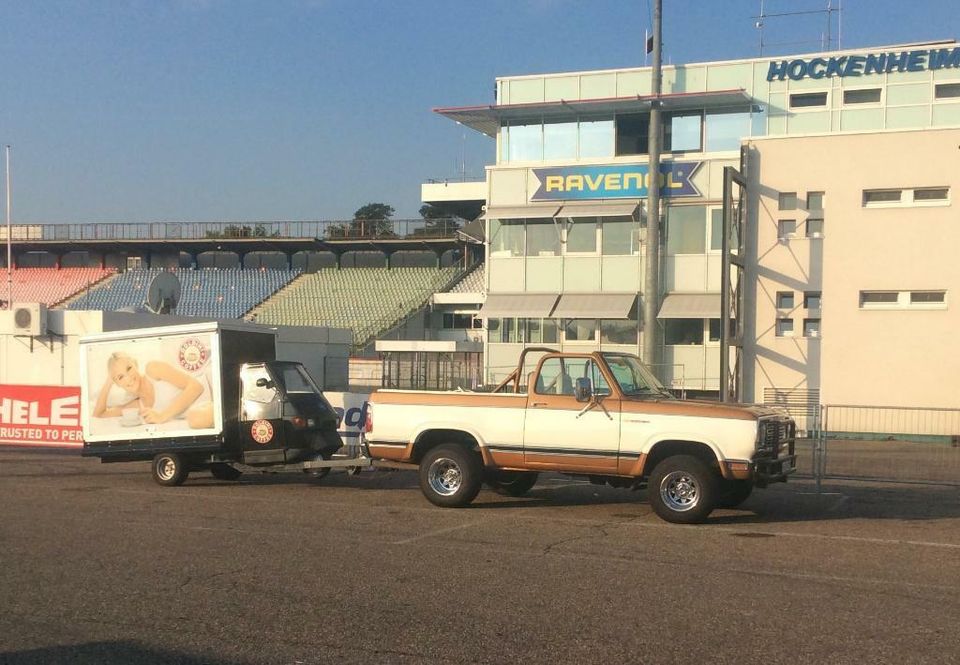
x=811 y=300
x=543 y=238
x=620 y=236
x=551 y=333
x=580 y=330
x=533 y=334
x=927 y=297
x=633 y=134
x=493 y=330
x=805 y=100
x=814 y=200
x=878 y=298
x=598 y=384
x=787 y=201
x=724 y=131
x=596 y=138
x=581 y=235
x=686 y=230
x=946 y=90
x=554 y=378
x=618 y=331
x=458 y=321
x=786 y=228
x=814 y=228
x=919 y=196
x=811 y=327
x=785 y=300
x=508 y=331
x=559 y=140
x=933 y=299
x=862 y=96
x=716 y=229
x=716 y=326
x=682 y=332
x=784 y=327
x=525 y=143
x=506 y=237
x=682 y=132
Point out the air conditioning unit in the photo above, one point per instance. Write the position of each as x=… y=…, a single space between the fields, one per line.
x=30 y=319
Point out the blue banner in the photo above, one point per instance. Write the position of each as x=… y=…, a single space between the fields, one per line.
x=613 y=181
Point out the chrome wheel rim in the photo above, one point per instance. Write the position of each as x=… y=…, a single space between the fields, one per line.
x=444 y=476
x=680 y=491
x=166 y=468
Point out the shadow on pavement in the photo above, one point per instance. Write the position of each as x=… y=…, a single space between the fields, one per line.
x=106 y=653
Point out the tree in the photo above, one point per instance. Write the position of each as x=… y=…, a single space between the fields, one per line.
x=439 y=223
x=372 y=219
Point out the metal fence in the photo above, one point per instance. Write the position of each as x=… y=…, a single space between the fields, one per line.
x=894 y=444
x=395 y=229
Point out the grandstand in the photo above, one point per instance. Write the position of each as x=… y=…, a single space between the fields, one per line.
x=52 y=286
x=368 y=301
x=472 y=281
x=223 y=293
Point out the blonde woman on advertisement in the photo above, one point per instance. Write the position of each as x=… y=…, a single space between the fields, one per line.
x=161 y=393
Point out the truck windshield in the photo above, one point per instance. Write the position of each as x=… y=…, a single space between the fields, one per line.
x=633 y=376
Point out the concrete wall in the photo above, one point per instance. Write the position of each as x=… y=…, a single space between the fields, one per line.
x=898 y=356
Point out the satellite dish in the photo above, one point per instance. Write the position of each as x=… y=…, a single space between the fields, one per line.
x=163 y=293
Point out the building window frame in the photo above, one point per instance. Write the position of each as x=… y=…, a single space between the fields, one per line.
x=859 y=105
x=907 y=198
x=809 y=108
x=905 y=299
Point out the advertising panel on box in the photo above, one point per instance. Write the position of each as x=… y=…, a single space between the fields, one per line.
x=40 y=415
x=613 y=181
x=151 y=387
x=352 y=410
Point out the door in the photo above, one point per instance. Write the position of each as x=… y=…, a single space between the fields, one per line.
x=562 y=433
x=261 y=410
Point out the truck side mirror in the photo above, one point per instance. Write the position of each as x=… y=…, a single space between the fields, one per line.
x=264 y=383
x=583 y=390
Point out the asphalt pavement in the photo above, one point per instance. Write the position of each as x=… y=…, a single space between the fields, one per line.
x=100 y=565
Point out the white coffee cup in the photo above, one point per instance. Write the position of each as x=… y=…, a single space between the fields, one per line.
x=130 y=416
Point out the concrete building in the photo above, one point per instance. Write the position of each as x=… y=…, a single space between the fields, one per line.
x=848 y=225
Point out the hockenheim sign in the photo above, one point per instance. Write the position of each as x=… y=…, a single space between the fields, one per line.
x=920 y=60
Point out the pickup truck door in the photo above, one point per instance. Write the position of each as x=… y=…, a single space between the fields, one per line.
x=563 y=434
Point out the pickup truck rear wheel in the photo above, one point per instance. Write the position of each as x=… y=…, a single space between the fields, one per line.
x=512 y=483
x=169 y=469
x=734 y=492
x=451 y=475
x=683 y=490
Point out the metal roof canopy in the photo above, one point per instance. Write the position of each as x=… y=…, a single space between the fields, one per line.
x=594 y=306
x=529 y=212
x=518 y=304
x=690 y=306
x=488 y=119
x=618 y=209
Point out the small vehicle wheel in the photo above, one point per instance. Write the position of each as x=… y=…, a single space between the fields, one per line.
x=683 y=490
x=223 y=471
x=169 y=469
x=512 y=483
x=451 y=475
x=734 y=492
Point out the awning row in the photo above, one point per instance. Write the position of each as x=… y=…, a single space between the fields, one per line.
x=619 y=209
x=596 y=305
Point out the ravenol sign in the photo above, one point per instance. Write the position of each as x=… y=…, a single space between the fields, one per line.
x=864 y=65
x=613 y=181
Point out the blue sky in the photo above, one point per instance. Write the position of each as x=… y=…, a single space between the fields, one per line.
x=146 y=110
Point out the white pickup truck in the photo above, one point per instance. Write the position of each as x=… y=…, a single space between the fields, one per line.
x=600 y=415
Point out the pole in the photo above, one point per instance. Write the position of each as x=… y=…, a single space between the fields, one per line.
x=9 y=234
x=651 y=282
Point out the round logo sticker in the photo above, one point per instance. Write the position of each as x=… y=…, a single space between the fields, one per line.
x=262 y=431
x=193 y=354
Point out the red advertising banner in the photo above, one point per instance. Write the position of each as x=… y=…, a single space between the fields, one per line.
x=40 y=416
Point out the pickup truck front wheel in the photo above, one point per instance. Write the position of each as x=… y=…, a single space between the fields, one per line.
x=683 y=490
x=451 y=475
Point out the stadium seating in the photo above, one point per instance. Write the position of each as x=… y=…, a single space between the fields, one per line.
x=368 y=301
x=51 y=286
x=472 y=282
x=216 y=293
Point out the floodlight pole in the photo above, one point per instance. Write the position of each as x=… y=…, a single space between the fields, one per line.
x=651 y=281
x=9 y=234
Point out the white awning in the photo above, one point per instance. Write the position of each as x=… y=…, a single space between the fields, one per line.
x=690 y=306
x=515 y=212
x=532 y=305
x=619 y=209
x=594 y=305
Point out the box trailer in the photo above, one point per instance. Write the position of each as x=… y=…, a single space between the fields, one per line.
x=205 y=396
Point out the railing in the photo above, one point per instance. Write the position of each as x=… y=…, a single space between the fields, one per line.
x=393 y=229
x=896 y=444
